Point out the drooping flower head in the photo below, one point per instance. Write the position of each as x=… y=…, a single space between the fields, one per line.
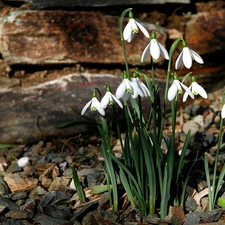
x=125 y=89
x=155 y=49
x=187 y=56
x=95 y=105
x=196 y=89
x=139 y=87
x=109 y=99
x=175 y=89
x=132 y=28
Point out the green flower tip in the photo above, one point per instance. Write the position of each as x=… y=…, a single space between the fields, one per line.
x=193 y=79
x=108 y=88
x=131 y=15
x=184 y=43
x=94 y=93
x=153 y=35
x=124 y=75
x=175 y=76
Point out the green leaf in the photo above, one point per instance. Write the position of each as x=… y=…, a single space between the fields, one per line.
x=2 y=146
x=221 y=202
x=77 y=184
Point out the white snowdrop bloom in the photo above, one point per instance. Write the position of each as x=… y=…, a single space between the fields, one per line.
x=95 y=105
x=109 y=99
x=223 y=112
x=133 y=27
x=22 y=161
x=196 y=89
x=139 y=88
x=175 y=89
x=187 y=56
x=155 y=49
x=124 y=90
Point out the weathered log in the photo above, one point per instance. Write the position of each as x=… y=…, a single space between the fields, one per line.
x=31 y=114
x=40 y=4
x=205 y=32
x=62 y=37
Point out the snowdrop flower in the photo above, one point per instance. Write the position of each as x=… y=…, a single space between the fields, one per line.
x=196 y=89
x=125 y=89
x=187 y=55
x=155 y=49
x=133 y=27
x=95 y=105
x=223 y=112
x=175 y=89
x=23 y=161
x=109 y=99
x=139 y=87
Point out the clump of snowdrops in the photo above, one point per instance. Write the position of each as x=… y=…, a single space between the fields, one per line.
x=150 y=177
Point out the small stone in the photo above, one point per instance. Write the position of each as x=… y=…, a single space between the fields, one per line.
x=46 y=182
x=58 y=183
x=19 y=195
x=48 y=220
x=40 y=190
x=29 y=207
x=18 y=182
x=8 y=203
x=190 y=125
x=3 y=187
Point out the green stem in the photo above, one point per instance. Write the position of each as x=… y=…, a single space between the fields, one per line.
x=216 y=159
x=122 y=40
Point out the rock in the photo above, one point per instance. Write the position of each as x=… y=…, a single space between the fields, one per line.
x=100 y=217
x=81 y=213
x=66 y=37
x=48 y=220
x=59 y=182
x=18 y=196
x=205 y=32
x=18 y=182
x=99 y=3
x=50 y=104
x=8 y=203
x=192 y=126
x=3 y=187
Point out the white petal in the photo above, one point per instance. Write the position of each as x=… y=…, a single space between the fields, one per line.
x=172 y=91
x=179 y=61
x=186 y=94
x=145 y=90
x=126 y=96
x=128 y=85
x=101 y=111
x=96 y=104
x=198 y=89
x=146 y=52
x=163 y=51
x=85 y=107
x=120 y=90
x=187 y=59
x=117 y=101
x=134 y=27
x=143 y=29
x=223 y=112
x=137 y=87
x=154 y=49
x=105 y=100
x=187 y=90
x=127 y=32
x=197 y=57
x=23 y=161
